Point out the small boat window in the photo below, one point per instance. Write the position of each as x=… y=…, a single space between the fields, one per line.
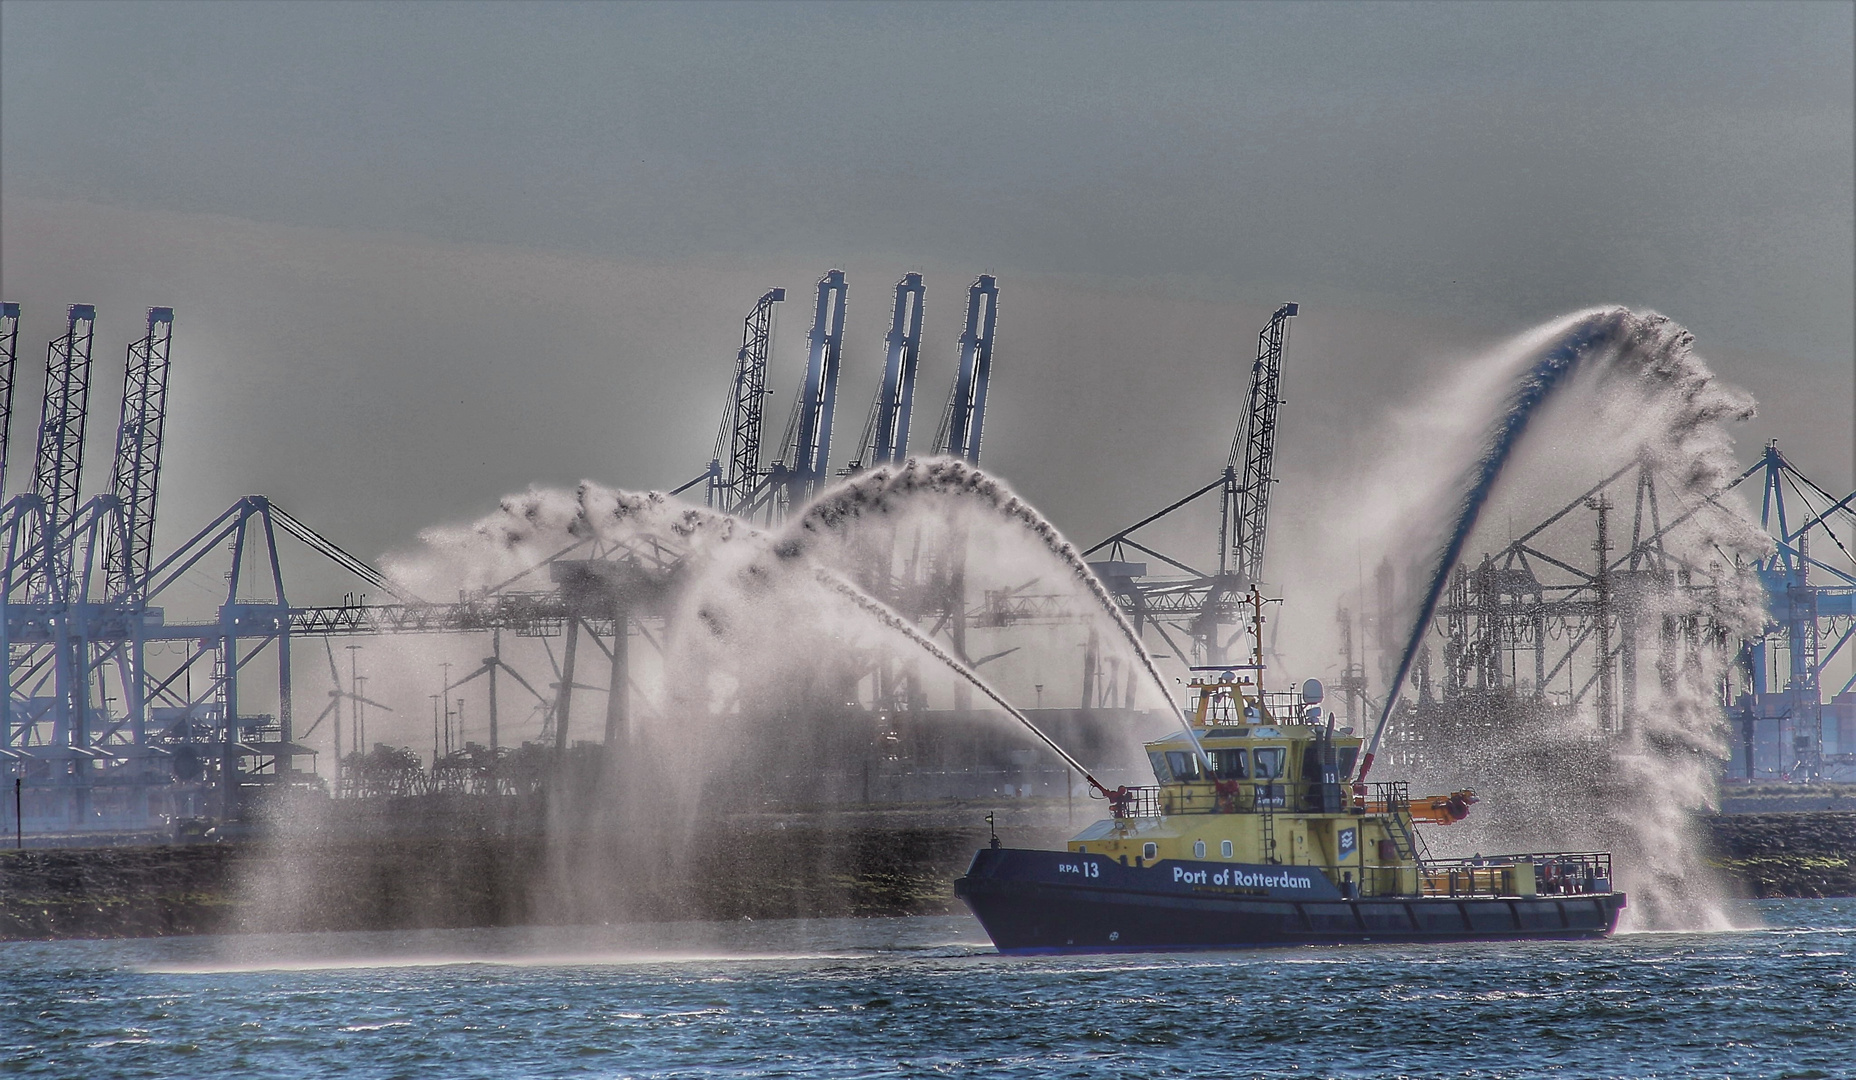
x=1230 y=764
x=1225 y=849
x=1269 y=762
x=1183 y=764
x=1149 y=850
x=1198 y=849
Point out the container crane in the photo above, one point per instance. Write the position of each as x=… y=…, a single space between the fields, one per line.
x=60 y=460
x=802 y=469
x=136 y=476
x=886 y=434
x=965 y=419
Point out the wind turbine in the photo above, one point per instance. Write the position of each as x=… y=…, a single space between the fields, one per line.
x=334 y=708
x=490 y=665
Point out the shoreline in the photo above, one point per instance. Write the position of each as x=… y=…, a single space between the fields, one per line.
x=758 y=866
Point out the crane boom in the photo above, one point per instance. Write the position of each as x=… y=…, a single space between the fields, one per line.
x=965 y=420
x=9 y=357
x=136 y=476
x=809 y=433
x=60 y=462
x=738 y=443
x=886 y=435
x=1247 y=475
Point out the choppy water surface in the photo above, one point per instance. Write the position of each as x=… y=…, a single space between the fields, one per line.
x=912 y=997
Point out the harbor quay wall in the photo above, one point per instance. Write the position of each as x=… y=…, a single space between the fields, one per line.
x=764 y=866
x=1807 y=853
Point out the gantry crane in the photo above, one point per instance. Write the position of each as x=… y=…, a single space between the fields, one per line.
x=1242 y=524
x=60 y=461
x=803 y=468
x=886 y=434
x=965 y=418
x=136 y=477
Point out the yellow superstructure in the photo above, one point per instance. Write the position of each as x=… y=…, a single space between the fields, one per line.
x=1238 y=784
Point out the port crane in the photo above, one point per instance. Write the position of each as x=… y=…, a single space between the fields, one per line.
x=803 y=468
x=965 y=418
x=9 y=359
x=886 y=433
x=1193 y=602
x=734 y=475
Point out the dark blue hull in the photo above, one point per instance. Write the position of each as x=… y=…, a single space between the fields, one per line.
x=1058 y=902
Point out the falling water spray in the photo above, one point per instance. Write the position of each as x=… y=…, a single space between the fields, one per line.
x=1650 y=397
x=1535 y=387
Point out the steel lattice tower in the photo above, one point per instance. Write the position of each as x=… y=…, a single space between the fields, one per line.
x=9 y=356
x=60 y=462
x=732 y=488
x=1253 y=453
x=137 y=473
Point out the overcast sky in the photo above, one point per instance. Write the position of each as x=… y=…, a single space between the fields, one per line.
x=423 y=255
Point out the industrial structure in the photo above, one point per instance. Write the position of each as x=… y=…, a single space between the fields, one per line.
x=126 y=708
x=1528 y=633
x=1194 y=610
x=120 y=717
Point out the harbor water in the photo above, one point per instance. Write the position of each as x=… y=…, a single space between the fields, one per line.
x=928 y=996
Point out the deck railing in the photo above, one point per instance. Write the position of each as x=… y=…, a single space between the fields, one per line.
x=1259 y=796
x=1135 y=802
x=1556 y=873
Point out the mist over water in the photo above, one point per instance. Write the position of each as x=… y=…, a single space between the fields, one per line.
x=774 y=655
x=764 y=655
x=1606 y=385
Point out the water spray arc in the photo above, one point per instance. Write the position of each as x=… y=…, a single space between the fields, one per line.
x=1591 y=333
x=884 y=489
x=894 y=621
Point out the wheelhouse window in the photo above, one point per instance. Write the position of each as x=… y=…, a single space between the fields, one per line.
x=1269 y=761
x=1184 y=765
x=1232 y=764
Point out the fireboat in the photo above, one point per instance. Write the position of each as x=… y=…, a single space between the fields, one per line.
x=1258 y=832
